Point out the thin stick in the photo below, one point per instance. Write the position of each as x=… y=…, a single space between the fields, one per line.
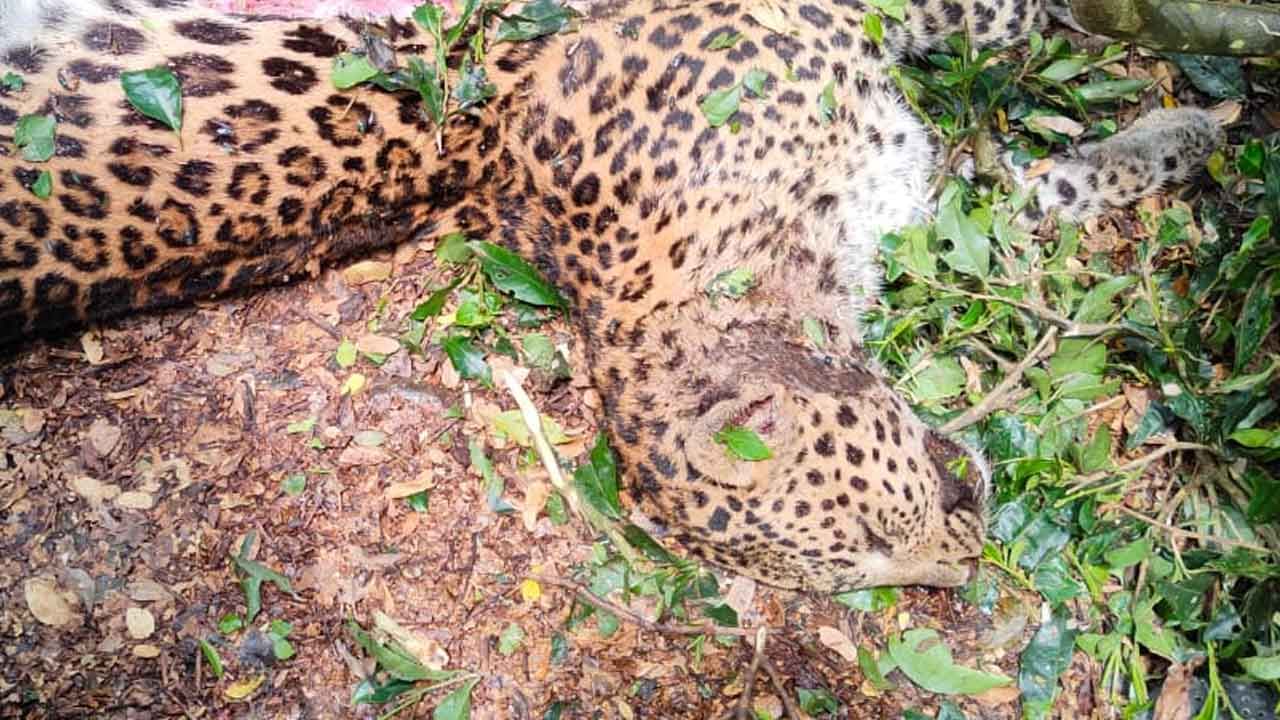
x=1192 y=534
x=594 y=518
x=748 y=684
x=708 y=628
x=787 y=704
x=997 y=396
x=1140 y=463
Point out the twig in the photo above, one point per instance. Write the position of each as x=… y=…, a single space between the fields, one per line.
x=1192 y=534
x=707 y=628
x=997 y=396
x=533 y=421
x=743 y=711
x=1142 y=462
x=787 y=704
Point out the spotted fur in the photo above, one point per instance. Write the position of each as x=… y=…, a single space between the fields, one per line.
x=594 y=161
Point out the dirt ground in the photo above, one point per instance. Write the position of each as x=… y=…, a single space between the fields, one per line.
x=135 y=460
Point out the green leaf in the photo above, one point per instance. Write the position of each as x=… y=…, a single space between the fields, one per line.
x=428 y=83
x=827 y=103
x=346 y=354
x=34 y=134
x=294 y=484
x=970 y=251
x=1254 y=321
x=1096 y=305
x=1265 y=669
x=724 y=40
x=473 y=86
x=452 y=248
x=155 y=93
x=511 y=274
x=743 y=443
x=870 y=600
x=718 y=106
x=230 y=622
x=754 y=82
x=12 y=82
x=454 y=33
x=467 y=359
x=597 y=479
x=434 y=304
x=252 y=575
x=815 y=332
x=926 y=660
x=539 y=352
x=870 y=668
x=211 y=657
x=369 y=692
x=640 y=540
x=817 y=702
x=1084 y=356
x=1042 y=663
x=350 y=69
x=939 y=380
x=733 y=283
x=419 y=502
x=43 y=186
x=1218 y=77
x=1064 y=69
x=538 y=18
x=457 y=704
x=493 y=483
x=873 y=26
x=722 y=614
x=510 y=639
x=398 y=663
x=1111 y=90
x=282 y=649
x=896 y=9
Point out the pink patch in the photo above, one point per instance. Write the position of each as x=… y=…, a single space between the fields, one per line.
x=372 y=9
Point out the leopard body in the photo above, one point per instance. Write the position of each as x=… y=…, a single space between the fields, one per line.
x=594 y=162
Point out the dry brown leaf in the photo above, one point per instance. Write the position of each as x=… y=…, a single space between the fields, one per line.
x=148 y=590
x=146 y=650
x=91 y=344
x=92 y=490
x=998 y=696
x=104 y=436
x=378 y=345
x=535 y=496
x=139 y=622
x=1056 y=123
x=424 y=481
x=1174 y=702
x=366 y=271
x=768 y=14
x=49 y=603
x=427 y=651
x=136 y=500
x=838 y=642
x=356 y=455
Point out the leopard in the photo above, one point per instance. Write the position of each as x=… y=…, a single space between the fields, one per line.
x=594 y=161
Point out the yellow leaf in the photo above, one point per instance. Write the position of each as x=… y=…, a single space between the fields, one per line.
x=771 y=16
x=530 y=590
x=1168 y=101
x=354 y=384
x=244 y=688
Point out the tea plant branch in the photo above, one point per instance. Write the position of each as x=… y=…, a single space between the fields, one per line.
x=1203 y=538
x=742 y=711
x=1141 y=463
x=1070 y=328
x=585 y=595
x=996 y=398
x=533 y=421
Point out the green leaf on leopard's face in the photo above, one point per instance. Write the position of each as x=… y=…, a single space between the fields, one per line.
x=350 y=70
x=743 y=443
x=718 y=106
x=34 y=135
x=537 y=18
x=156 y=93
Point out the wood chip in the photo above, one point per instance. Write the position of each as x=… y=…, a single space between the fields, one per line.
x=139 y=622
